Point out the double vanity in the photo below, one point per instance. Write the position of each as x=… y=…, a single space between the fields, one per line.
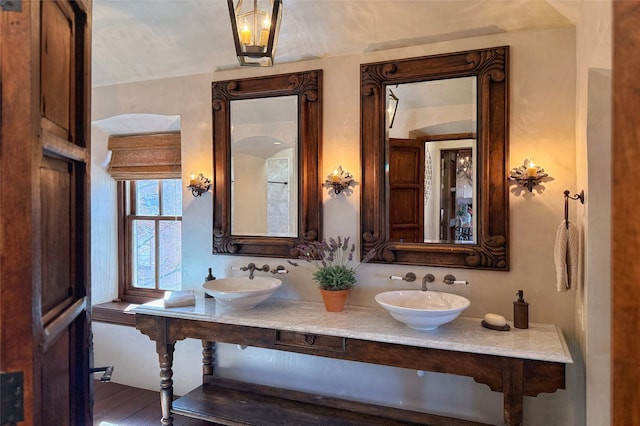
x=517 y=363
x=400 y=167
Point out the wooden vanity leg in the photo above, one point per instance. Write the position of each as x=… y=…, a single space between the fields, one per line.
x=513 y=388
x=165 y=354
x=208 y=357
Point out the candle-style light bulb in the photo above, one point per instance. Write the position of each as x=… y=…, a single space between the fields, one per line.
x=245 y=34
x=264 y=32
x=532 y=170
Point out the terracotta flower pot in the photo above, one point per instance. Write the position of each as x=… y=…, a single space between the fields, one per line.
x=334 y=299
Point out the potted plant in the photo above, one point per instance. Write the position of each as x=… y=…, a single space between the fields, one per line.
x=334 y=272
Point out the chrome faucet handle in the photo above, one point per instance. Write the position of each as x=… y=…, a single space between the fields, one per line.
x=280 y=270
x=408 y=277
x=450 y=279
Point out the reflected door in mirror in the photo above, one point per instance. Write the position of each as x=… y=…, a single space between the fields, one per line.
x=406 y=190
x=456 y=195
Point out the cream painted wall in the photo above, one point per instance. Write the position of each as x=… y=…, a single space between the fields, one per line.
x=542 y=125
x=593 y=170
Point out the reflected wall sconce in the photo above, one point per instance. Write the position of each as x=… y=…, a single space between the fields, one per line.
x=392 y=108
x=528 y=175
x=464 y=166
x=255 y=25
x=339 y=180
x=199 y=184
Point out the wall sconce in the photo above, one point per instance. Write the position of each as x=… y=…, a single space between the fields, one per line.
x=199 y=185
x=392 y=107
x=339 y=180
x=528 y=175
x=255 y=25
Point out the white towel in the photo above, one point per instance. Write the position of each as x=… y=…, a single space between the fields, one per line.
x=566 y=253
x=176 y=299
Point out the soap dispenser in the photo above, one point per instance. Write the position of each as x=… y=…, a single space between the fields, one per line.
x=209 y=277
x=520 y=311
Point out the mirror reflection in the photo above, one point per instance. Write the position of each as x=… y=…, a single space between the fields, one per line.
x=431 y=155
x=264 y=166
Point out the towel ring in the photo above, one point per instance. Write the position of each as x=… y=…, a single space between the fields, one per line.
x=567 y=197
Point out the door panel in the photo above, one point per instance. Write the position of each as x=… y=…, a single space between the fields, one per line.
x=56 y=63
x=45 y=318
x=406 y=190
x=56 y=383
x=57 y=234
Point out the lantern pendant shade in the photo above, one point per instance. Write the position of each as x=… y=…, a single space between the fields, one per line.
x=255 y=25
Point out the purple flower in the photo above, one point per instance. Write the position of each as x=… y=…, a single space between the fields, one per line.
x=331 y=252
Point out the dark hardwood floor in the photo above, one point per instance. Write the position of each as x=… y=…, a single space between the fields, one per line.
x=120 y=405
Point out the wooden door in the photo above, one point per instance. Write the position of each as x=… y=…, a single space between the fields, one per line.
x=406 y=190
x=625 y=231
x=44 y=193
x=448 y=194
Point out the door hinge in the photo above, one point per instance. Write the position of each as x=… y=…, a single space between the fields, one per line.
x=11 y=5
x=11 y=398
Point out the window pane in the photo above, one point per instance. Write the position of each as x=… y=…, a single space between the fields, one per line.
x=147 y=198
x=170 y=255
x=144 y=254
x=171 y=197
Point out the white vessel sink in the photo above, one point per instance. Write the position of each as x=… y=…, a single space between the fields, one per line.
x=242 y=293
x=422 y=310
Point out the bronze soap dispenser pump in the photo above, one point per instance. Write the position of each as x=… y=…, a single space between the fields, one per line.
x=520 y=311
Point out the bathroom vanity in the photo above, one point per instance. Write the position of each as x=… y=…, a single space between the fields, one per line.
x=516 y=363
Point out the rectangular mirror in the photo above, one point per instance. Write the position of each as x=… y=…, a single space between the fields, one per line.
x=434 y=135
x=266 y=145
x=264 y=167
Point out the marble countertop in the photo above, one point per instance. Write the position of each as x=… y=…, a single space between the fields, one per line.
x=543 y=342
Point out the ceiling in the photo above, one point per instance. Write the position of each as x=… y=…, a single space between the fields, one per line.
x=138 y=40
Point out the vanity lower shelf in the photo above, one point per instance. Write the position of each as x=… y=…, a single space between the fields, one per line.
x=230 y=402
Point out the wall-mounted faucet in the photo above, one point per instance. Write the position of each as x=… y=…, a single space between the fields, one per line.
x=408 y=277
x=251 y=268
x=429 y=278
x=450 y=279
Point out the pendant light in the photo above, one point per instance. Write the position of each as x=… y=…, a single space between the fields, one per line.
x=255 y=25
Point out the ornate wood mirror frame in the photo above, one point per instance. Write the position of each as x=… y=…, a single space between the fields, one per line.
x=490 y=249
x=307 y=86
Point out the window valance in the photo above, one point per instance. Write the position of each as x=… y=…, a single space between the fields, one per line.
x=145 y=156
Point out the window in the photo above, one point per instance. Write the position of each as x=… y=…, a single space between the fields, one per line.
x=150 y=233
x=147 y=167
